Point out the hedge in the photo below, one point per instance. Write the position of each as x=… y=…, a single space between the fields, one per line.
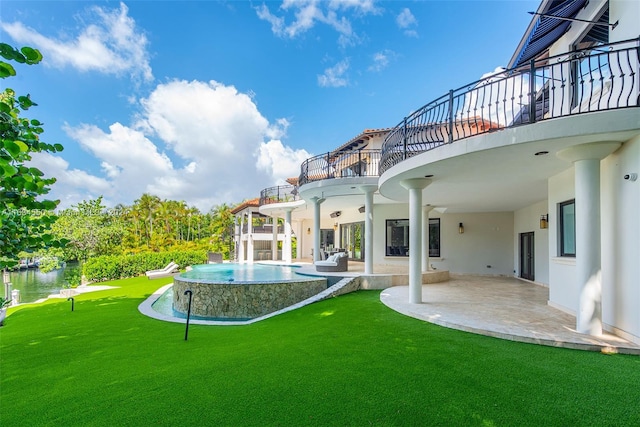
x=110 y=267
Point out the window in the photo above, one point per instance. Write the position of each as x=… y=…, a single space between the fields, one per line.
x=397 y=237
x=567 y=224
x=434 y=237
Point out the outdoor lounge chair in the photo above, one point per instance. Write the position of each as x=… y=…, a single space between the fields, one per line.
x=336 y=262
x=170 y=270
x=214 y=257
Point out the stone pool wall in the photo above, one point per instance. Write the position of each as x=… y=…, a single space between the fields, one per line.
x=238 y=300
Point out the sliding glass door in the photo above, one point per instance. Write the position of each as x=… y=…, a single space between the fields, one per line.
x=352 y=239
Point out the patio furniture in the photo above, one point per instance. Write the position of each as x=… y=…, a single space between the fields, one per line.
x=336 y=262
x=171 y=269
x=214 y=257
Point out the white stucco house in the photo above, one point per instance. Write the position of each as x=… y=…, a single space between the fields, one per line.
x=530 y=173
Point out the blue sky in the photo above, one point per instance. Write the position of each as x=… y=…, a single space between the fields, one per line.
x=211 y=101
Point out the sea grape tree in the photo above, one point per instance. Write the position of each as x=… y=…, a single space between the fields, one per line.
x=25 y=216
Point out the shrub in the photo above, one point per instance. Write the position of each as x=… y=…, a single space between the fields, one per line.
x=110 y=267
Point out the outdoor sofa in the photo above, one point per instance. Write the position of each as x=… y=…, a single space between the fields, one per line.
x=336 y=262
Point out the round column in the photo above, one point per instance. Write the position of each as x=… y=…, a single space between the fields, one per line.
x=286 y=247
x=586 y=159
x=250 y=238
x=316 y=227
x=274 y=238
x=415 y=187
x=368 y=227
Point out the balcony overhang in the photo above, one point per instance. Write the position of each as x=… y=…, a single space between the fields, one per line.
x=499 y=171
x=279 y=209
x=336 y=187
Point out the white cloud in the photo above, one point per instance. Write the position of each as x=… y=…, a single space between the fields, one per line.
x=72 y=185
x=279 y=161
x=201 y=142
x=308 y=13
x=491 y=90
x=334 y=76
x=381 y=60
x=110 y=44
x=407 y=21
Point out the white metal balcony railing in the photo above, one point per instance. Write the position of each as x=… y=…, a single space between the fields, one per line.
x=340 y=164
x=599 y=78
x=279 y=194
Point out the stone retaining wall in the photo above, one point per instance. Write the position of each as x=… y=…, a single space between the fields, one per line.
x=238 y=300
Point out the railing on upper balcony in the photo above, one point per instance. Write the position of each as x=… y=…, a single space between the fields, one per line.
x=600 y=78
x=279 y=194
x=340 y=164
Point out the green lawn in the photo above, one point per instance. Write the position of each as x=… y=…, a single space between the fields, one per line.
x=348 y=361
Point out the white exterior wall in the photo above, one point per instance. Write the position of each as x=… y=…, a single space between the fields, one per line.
x=620 y=241
x=620 y=219
x=485 y=247
x=527 y=220
x=624 y=11
x=563 y=289
x=487 y=241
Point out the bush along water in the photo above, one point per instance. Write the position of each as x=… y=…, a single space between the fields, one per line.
x=110 y=267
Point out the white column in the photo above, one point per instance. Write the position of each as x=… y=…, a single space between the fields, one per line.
x=425 y=240
x=316 y=227
x=586 y=159
x=588 y=256
x=299 y=240
x=415 y=187
x=241 y=241
x=236 y=239
x=368 y=227
x=250 y=238
x=286 y=246
x=274 y=239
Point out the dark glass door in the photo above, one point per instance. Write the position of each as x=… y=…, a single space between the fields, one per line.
x=526 y=256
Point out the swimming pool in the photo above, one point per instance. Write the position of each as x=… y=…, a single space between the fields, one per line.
x=231 y=272
x=242 y=291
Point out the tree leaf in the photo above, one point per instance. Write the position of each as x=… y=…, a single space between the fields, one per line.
x=9 y=170
x=33 y=56
x=6 y=70
x=12 y=148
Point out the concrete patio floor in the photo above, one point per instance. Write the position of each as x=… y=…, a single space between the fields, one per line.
x=501 y=307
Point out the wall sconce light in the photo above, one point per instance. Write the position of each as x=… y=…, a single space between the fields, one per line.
x=309 y=230
x=544 y=221
x=335 y=225
x=460 y=228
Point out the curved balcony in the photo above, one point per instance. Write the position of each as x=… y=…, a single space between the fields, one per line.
x=343 y=164
x=600 y=78
x=279 y=194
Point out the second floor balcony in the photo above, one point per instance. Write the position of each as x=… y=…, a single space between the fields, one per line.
x=279 y=194
x=342 y=164
x=599 y=78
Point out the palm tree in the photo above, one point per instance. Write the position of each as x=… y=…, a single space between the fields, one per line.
x=148 y=205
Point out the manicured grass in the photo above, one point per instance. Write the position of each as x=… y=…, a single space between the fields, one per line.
x=348 y=361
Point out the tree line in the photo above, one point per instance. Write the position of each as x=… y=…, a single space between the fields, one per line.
x=150 y=224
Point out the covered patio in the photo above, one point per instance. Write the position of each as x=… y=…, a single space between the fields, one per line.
x=501 y=307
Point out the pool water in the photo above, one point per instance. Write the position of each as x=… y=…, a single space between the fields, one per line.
x=228 y=272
